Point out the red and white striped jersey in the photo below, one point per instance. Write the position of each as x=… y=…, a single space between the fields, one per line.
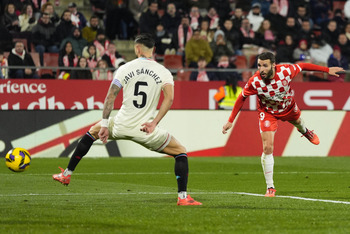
x=276 y=96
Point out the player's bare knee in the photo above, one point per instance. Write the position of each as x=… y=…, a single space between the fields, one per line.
x=179 y=148
x=182 y=149
x=296 y=122
x=174 y=149
x=94 y=130
x=268 y=149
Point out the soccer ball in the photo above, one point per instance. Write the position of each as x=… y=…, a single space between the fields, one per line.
x=18 y=159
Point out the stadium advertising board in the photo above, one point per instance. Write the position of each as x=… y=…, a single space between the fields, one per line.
x=90 y=95
x=56 y=133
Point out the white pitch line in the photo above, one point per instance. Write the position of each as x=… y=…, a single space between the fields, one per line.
x=297 y=198
x=192 y=173
x=168 y=193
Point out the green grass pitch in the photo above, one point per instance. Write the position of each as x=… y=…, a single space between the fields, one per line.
x=138 y=195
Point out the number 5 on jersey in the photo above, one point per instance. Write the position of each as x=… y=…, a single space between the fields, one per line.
x=143 y=95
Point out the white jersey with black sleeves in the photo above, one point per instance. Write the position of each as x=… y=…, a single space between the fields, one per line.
x=142 y=80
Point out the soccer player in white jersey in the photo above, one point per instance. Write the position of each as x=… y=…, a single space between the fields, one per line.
x=142 y=80
x=271 y=84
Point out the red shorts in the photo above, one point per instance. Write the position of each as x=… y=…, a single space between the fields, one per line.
x=268 y=121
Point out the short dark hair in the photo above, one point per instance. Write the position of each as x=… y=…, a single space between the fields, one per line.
x=94 y=17
x=145 y=39
x=267 y=55
x=44 y=14
x=202 y=58
x=17 y=42
x=152 y=2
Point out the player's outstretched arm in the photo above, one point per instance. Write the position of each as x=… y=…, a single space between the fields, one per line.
x=313 y=67
x=334 y=70
x=237 y=107
x=168 y=93
x=109 y=100
x=107 y=109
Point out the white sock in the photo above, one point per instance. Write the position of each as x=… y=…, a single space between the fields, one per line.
x=301 y=127
x=182 y=194
x=267 y=163
x=67 y=172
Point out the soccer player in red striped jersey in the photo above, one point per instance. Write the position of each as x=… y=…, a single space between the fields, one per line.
x=271 y=84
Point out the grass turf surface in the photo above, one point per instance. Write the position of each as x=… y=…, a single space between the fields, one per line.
x=138 y=195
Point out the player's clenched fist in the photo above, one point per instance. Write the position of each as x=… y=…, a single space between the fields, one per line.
x=103 y=135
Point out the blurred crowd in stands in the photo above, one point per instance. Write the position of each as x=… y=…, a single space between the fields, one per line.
x=208 y=35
